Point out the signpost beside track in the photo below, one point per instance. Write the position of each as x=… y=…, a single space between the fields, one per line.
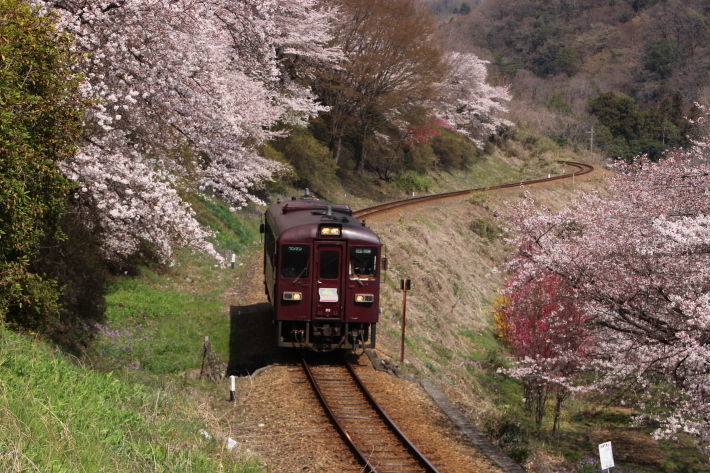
x=405 y=285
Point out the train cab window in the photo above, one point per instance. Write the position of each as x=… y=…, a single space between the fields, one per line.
x=363 y=262
x=294 y=261
x=329 y=264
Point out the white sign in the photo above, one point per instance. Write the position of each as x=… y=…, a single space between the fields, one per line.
x=605 y=456
x=328 y=294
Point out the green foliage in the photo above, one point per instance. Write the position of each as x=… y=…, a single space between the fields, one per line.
x=56 y=416
x=412 y=181
x=510 y=434
x=40 y=120
x=232 y=233
x=662 y=57
x=626 y=131
x=281 y=179
x=419 y=158
x=82 y=277
x=485 y=229
x=311 y=160
x=160 y=330
x=568 y=61
x=453 y=150
x=508 y=66
x=619 y=113
x=559 y=105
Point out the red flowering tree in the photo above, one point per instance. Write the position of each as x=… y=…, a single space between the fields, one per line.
x=548 y=335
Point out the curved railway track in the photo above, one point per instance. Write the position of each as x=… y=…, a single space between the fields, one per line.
x=580 y=169
x=373 y=437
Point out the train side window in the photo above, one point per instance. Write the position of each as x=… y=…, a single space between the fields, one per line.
x=329 y=264
x=363 y=262
x=294 y=261
x=268 y=240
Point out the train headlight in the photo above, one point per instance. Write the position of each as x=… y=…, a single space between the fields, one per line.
x=292 y=296
x=330 y=231
x=364 y=298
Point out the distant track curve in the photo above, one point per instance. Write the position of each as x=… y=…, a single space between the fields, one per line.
x=580 y=169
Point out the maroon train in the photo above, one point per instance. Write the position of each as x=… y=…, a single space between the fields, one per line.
x=322 y=275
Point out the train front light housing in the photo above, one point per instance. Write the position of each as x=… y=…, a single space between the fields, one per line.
x=292 y=296
x=364 y=298
x=331 y=231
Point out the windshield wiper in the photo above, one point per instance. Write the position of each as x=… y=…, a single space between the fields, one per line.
x=300 y=274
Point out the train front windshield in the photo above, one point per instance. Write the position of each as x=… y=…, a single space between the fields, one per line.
x=363 y=262
x=294 y=261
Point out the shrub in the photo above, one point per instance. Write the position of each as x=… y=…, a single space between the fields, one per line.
x=453 y=150
x=662 y=57
x=411 y=181
x=311 y=160
x=40 y=121
x=420 y=158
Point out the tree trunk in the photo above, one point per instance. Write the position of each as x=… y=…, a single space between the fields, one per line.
x=561 y=395
x=338 y=147
x=363 y=150
x=540 y=401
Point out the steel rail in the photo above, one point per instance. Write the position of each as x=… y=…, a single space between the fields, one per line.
x=583 y=169
x=413 y=450
x=416 y=454
x=369 y=467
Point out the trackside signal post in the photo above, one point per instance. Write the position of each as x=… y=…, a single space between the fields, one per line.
x=405 y=285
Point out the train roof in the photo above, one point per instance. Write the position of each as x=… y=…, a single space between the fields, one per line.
x=299 y=219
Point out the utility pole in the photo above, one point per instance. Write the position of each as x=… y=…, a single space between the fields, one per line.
x=591 y=139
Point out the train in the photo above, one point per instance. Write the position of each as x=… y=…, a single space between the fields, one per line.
x=322 y=272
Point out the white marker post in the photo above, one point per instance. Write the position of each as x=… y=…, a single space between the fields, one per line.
x=606 y=457
x=232 y=388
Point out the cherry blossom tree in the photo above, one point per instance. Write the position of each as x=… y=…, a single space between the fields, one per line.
x=638 y=263
x=548 y=334
x=468 y=101
x=183 y=92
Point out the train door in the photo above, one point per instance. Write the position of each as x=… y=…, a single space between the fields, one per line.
x=328 y=293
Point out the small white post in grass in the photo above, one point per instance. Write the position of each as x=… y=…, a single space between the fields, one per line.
x=234 y=259
x=606 y=457
x=232 y=388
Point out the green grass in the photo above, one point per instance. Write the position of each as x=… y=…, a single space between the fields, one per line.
x=58 y=416
x=160 y=329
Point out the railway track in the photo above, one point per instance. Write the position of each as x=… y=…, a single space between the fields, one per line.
x=376 y=441
x=579 y=169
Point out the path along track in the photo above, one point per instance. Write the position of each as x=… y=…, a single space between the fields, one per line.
x=579 y=170
x=373 y=437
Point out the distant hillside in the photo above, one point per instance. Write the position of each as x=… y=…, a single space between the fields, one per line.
x=562 y=53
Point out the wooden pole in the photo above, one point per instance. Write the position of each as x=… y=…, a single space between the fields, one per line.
x=405 y=285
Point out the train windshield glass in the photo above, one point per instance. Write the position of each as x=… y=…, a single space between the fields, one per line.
x=363 y=262
x=294 y=261
x=329 y=264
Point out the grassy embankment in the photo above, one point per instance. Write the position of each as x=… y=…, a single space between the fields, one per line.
x=128 y=407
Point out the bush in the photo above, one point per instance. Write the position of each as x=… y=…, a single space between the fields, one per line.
x=76 y=264
x=453 y=150
x=420 y=158
x=662 y=57
x=411 y=181
x=40 y=121
x=311 y=160
x=511 y=435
